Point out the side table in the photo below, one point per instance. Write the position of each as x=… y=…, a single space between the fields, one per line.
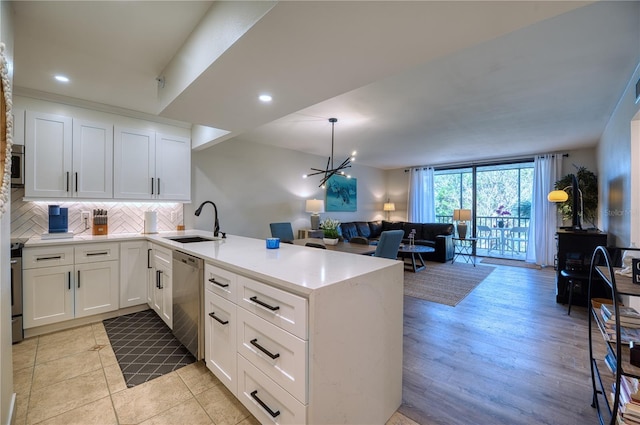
x=308 y=233
x=466 y=248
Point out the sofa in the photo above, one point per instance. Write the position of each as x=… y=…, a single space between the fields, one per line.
x=436 y=235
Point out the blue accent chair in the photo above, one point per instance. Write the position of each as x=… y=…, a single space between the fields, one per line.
x=284 y=231
x=389 y=244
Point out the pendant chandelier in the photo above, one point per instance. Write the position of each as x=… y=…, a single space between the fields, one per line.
x=331 y=170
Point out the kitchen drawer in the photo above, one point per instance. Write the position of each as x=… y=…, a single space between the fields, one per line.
x=281 y=308
x=267 y=401
x=94 y=252
x=220 y=282
x=259 y=342
x=33 y=258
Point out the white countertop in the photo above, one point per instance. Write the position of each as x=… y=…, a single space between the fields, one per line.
x=295 y=268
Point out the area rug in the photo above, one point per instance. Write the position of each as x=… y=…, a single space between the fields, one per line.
x=512 y=263
x=445 y=283
x=145 y=347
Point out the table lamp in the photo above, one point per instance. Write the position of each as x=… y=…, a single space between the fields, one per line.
x=388 y=207
x=315 y=207
x=462 y=216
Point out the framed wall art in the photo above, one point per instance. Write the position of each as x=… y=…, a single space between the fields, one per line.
x=341 y=194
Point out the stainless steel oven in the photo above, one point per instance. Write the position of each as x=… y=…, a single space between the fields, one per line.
x=17 y=332
x=17 y=166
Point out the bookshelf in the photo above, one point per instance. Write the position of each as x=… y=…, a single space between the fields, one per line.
x=610 y=382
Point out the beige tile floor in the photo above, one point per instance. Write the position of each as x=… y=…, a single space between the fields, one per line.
x=72 y=377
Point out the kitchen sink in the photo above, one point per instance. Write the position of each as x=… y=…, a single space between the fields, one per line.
x=190 y=239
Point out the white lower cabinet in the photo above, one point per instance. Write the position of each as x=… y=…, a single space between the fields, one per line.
x=159 y=284
x=65 y=282
x=256 y=344
x=134 y=260
x=220 y=323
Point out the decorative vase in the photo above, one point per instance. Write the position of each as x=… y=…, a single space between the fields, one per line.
x=330 y=241
x=500 y=224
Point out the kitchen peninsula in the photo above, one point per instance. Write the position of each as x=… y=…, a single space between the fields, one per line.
x=346 y=321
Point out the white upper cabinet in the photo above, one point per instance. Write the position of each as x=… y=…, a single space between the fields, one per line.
x=48 y=155
x=150 y=165
x=134 y=163
x=92 y=160
x=173 y=167
x=67 y=158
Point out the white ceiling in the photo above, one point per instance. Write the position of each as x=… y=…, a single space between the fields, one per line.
x=411 y=83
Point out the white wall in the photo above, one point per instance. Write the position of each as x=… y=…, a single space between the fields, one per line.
x=615 y=153
x=253 y=185
x=6 y=358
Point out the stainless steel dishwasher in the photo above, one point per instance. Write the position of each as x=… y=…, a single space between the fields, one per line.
x=188 y=287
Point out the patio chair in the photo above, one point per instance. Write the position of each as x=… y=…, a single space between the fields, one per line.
x=518 y=236
x=486 y=234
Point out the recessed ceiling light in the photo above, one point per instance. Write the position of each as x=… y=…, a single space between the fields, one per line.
x=61 y=78
x=265 y=98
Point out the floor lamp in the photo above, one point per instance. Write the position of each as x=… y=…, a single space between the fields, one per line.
x=388 y=207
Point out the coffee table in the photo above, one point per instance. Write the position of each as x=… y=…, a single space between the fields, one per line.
x=415 y=253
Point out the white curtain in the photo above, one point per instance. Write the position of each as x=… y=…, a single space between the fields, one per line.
x=543 y=224
x=421 y=206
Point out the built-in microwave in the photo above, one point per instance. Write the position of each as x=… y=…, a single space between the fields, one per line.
x=17 y=166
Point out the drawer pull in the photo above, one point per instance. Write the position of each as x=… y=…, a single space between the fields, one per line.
x=91 y=254
x=263 y=304
x=254 y=395
x=57 y=257
x=254 y=342
x=213 y=316
x=223 y=285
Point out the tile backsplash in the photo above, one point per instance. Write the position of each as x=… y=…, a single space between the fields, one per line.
x=30 y=219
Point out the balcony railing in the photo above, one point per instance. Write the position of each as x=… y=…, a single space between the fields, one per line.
x=505 y=244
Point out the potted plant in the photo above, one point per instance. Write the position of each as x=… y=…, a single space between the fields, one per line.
x=502 y=211
x=330 y=231
x=588 y=184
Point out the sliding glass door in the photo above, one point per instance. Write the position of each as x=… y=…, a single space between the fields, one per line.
x=499 y=196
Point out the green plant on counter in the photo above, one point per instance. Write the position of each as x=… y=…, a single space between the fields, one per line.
x=330 y=228
x=588 y=184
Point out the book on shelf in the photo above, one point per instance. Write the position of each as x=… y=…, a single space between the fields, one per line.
x=610 y=361
x=626 y=334
x=629 y=316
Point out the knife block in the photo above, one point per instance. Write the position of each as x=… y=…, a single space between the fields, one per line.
x=100 y=229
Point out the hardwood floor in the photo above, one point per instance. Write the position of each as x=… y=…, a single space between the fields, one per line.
x=507 y=354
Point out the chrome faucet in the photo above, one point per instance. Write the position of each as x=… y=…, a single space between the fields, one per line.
x=216 y=225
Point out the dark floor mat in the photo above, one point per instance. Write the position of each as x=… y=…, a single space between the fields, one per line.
x=145 y=347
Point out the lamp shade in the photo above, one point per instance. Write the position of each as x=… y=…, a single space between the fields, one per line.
x=389 y=206
x=462 y=215
x=557 y=196
x=315 y=206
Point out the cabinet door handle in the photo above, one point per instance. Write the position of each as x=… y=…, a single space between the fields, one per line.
x=78 y=279
x=160 y=286
x=69 y=280
x=56 y=257
x=158 y=279
x=223 y=285
x=254 y=395
x=158 y=185
x=91 y=254
x=263 y=304
x=213 y=316
x=149 y=258
x=76 y=182
x=67 y=181
x=254 y=342
x=152 y=185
